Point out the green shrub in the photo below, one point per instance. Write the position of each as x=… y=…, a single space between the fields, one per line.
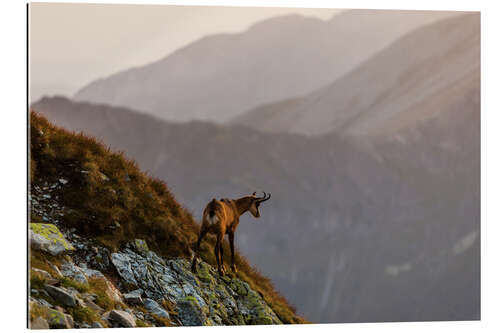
x=36 y=282
x=84 y=314
x=81 y=287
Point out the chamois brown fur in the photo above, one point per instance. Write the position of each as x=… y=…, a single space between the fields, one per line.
x=222 y=217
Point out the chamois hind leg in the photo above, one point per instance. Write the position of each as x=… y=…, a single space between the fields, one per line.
x=221 y=251
x=203 y=231
x=231 y=243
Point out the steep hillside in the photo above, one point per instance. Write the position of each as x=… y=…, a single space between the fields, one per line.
x=97 y=221
x=355 y=231
x=424 y=73
x=221 y=76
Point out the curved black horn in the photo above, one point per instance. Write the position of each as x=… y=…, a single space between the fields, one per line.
x=265 y=197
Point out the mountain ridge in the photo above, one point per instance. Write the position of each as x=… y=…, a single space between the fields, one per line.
x=385 y=86
x=251 y=67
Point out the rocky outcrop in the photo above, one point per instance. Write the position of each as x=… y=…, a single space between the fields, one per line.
x=61 y=295
x=48 y=238
x=120 y=318
x=201 y=299
x=155 y=308
x=77 y=282
x=134 y=297
x=147 y=289
x=39 y=324
x=58 y=319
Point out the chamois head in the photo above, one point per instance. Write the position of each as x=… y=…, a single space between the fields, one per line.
x=255 y=203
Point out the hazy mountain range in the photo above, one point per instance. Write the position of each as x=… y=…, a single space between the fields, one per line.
x=413 y=79
x=375 y=218
x=389 y=233
x=223 y=75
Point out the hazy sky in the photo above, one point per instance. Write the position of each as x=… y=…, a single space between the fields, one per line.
x=73 y=44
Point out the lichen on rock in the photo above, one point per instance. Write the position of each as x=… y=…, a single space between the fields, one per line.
x=47 y=237
x=190 y=312
x=58 y=319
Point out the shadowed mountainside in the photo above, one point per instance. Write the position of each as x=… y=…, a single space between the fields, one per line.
x=415 y=78
x=221 y=76
x=384 y=230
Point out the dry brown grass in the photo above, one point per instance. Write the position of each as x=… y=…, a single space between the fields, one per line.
x=107 y=190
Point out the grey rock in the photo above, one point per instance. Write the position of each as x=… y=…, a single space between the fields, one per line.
x=99 y=258
x=56 y=269
x=97 y=324
x=38 y=242
x=134 y=297
x=59 y=308
x=39 y=324
x=61 y=295
x=69 y=269
x=44 y=293
x=43 y=302
x=48 y=238
x=69 y=320
x=123 y=264
x=90 y=304
x=80 y=246
x=57 y=319
x=139 y=314
x=155 y=308
x=92 y=273
x=190 y=313
x=88 y=297
x=121 y=318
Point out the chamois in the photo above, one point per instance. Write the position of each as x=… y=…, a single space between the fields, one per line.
x=221 y=217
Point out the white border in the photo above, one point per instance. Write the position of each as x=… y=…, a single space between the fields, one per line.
x=13 y=166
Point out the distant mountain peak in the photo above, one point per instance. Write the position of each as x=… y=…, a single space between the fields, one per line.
x=220 y=76
x=423 y=73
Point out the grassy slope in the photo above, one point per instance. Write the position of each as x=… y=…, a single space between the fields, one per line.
x=106 y=189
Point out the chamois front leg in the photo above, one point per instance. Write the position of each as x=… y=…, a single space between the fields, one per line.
x=231 y=243
x=203 y=231
x=217 y=251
